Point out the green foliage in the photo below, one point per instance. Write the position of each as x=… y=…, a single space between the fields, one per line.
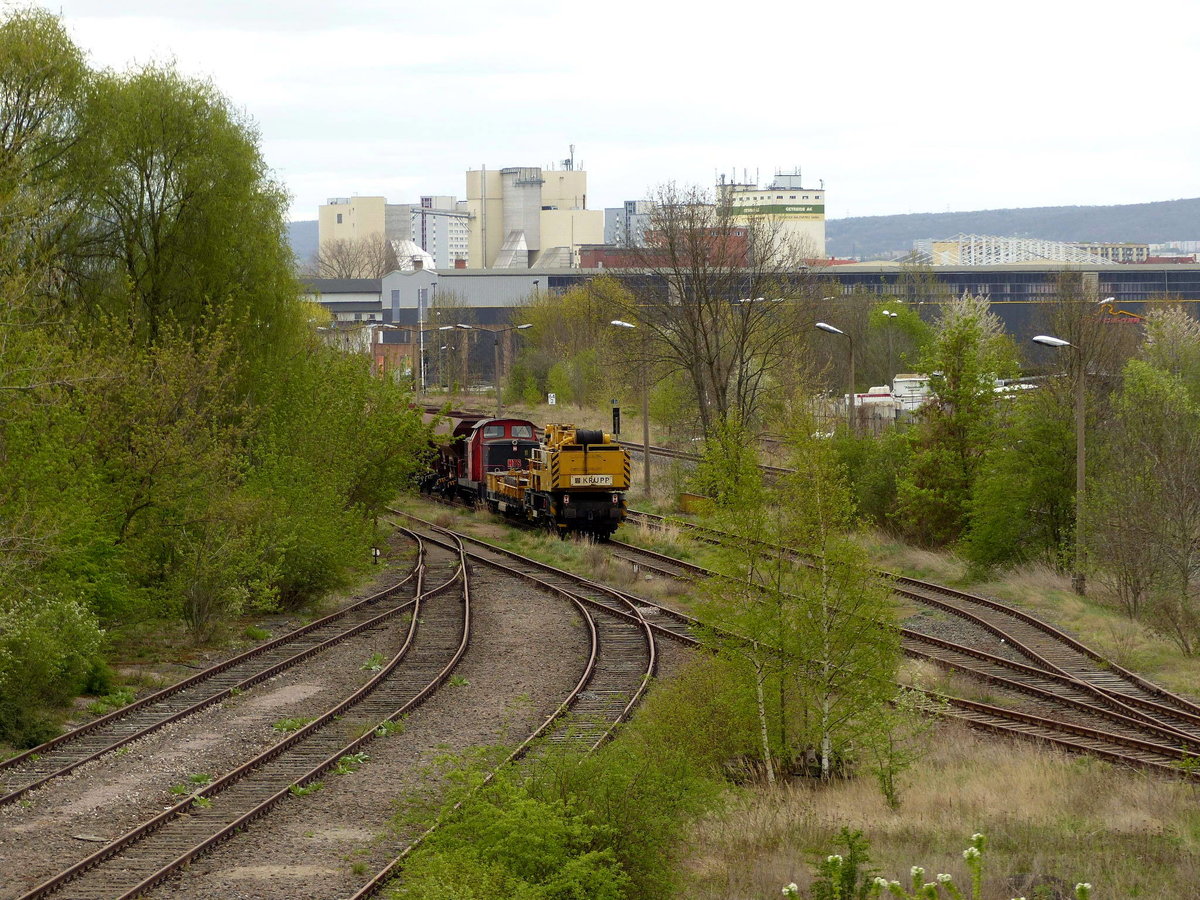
x=845 y=875
x=507 y=843
x=350 y=763
x=184 y=217
x=109 y=702
x=891 y=742
x=606 y=825
x=1145 y=507
x=728 y=469
x=303 y=790
x=294 y=723
x=816 y=636
x=47 y=648
x=100 y=679
x=255 y=633
x=967 y=353
x=1021 y=504
x=872 y=467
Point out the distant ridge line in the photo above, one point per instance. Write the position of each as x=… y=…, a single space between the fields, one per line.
x=1148 y=223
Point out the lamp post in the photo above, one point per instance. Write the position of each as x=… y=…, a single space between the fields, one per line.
x=466 y=353
x=890 y=321
x=645 y=386
x=424 y=370
x=424 y=295
x=850 y=343
x=1078 y=579
x=496 y=350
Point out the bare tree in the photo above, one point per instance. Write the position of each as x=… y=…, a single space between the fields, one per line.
x=369 y=257
x=722 y=298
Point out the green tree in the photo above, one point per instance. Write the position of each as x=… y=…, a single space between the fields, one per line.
x=967 y=353
x=43 y=80
x=817 y=633
x=183 y=218
x=1145 y=510
x=1021 y=505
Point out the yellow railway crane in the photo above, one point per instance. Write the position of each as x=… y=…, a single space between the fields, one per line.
x=574 y=480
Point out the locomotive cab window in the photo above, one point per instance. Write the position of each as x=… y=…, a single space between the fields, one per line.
x=493 y=431
x=522 y=431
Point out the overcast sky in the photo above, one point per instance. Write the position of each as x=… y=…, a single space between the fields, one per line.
x=924 y=106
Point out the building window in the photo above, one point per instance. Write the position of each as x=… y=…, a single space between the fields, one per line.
x=339 y=221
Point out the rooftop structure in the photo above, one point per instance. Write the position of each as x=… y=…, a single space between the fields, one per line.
x=800 y=211
x=525 y=216
x=990 y=250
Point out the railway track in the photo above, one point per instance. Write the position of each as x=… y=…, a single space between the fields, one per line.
x=64 y=754
x=1042 y=645
x=1055 y=707
x=1036 y=678
x=621 y=663
x=436 y=639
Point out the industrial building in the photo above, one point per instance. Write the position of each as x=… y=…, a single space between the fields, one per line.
x=800 y=211
x=526 y=216
x=438 y=224
x=625 y=225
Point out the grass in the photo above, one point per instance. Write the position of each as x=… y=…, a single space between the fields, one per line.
x=255 y=633
x=109 y=702
x=350 y=763
x=1045 y=814
x=292 y=724
x=297 y=790
x=387 y=729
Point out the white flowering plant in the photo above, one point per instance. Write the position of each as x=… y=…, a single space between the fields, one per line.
x=843 y=877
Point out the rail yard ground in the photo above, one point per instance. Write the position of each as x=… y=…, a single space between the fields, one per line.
x=1052 y=819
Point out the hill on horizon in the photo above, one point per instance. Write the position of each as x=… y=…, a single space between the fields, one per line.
x=870 y=237
x=302 y=235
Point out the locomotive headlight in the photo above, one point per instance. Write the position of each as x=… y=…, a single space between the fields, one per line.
x=566 y=499
x=616 y=498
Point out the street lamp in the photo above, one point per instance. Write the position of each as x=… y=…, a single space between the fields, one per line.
x=496 y=350
x=424 y=370
x=466 y=355
x=1078 y=579
x=890 y=319
x=850 y=342
x=423 y=297
x=645 y=385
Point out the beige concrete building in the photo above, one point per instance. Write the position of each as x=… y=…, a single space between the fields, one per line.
x=526 y=216
x=799 y=211
x=352 y=219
